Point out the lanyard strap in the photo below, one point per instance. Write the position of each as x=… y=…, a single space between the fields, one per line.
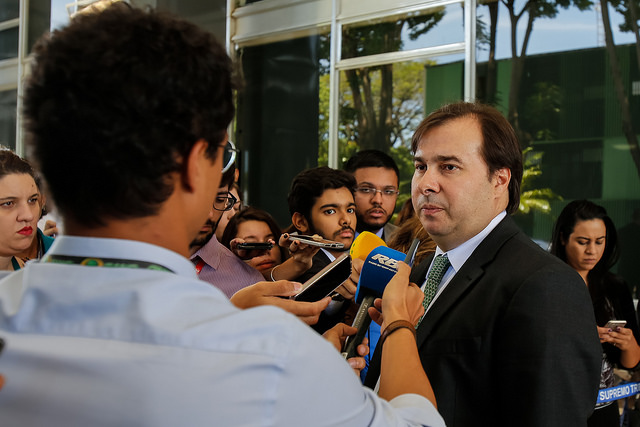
x=105 y=262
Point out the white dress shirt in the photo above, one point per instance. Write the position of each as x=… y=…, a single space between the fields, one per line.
x=458 y=256
x=103 y=346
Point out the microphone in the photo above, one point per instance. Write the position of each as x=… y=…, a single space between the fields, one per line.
x=379 y=267
x=364 y=244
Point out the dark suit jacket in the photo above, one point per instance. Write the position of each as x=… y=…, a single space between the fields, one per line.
x=512 y=340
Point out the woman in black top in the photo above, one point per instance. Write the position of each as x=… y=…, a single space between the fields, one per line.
x=585 y=238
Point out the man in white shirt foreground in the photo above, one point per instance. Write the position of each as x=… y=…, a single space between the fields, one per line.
x=127 y=114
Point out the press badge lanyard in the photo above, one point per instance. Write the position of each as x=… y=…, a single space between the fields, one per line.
x=105 y=262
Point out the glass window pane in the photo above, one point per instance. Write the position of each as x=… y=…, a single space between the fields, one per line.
x=9 y=9
x=427 y=28
x=380 y=107
x=210 y=15
x=9 y=43
x=8 y=103
x=277 y=118
x=39 y=20
x=561 y=99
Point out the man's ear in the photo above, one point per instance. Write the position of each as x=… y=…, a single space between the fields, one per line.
x=502 y=177
x=300 y=222
x=193 y=164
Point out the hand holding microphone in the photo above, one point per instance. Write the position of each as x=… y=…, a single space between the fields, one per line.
x=379 y=267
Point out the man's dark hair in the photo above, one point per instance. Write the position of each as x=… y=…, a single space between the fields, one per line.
x=371 y=159
x=11 y=163
x=115 y=103
x=228 y=177
x=309 y=185
x=500 y=147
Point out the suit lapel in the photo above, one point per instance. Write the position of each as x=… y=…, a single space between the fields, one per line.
x=470 y=273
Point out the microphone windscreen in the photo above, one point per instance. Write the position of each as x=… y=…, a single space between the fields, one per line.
x=364 y=244
x=378 y=269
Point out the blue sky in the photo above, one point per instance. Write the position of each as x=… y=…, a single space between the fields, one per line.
x=571 y=29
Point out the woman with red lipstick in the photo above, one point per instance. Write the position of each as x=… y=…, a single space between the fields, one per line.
x=19 y=208
x=585 y=238
x=252 y=225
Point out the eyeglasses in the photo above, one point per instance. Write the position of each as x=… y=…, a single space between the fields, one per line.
x=229 y=155
x=371 y=191
x=224 y=203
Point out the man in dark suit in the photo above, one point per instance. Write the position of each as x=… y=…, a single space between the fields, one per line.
x=509 y=336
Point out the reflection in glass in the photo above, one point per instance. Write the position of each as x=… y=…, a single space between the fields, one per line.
x=39 y=20
x=9 y=9
x=380 y=107
x=8 y=101
x=567 y=104
x=9 y=43
x=426 y=28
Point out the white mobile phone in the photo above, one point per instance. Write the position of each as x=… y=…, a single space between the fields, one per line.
x=310 y=240
x=613 y=324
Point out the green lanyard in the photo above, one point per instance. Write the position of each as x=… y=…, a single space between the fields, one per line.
x=105 y=262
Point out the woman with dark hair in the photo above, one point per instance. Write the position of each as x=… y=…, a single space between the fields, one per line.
x=585 y=238
x=252 y=225
x=20 y=208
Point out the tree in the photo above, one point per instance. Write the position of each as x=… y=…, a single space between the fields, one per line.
x=371 y=110
x=406 y=112
x=532 y=198
x=532 y=9
x=489 y=38
x=630 y=24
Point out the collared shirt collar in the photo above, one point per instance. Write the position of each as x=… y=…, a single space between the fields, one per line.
x=378 y=233
x=210 y=253
x=459 y=255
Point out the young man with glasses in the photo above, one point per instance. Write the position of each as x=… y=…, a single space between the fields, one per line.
x=377 y=178
x=215 y=263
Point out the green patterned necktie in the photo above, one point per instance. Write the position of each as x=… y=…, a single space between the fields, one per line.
x=440 y=266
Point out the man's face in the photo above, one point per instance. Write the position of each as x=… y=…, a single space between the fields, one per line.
x=209 y=227
x=333 y=216
x=451 y=190
x=375 y=210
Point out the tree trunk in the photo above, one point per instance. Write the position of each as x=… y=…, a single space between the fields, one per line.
x=517 y=67
x=633 y=12
x=627 y=125
x=491 y=87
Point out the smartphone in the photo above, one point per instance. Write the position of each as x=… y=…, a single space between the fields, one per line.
x=326 y=280
x=253 y=246
x=310 y=240
x=613 y=324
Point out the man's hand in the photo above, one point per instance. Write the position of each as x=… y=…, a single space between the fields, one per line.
x=270 y=293
x=401 y=300
x=301 y=252
x=337 y=336
x=349 y=287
